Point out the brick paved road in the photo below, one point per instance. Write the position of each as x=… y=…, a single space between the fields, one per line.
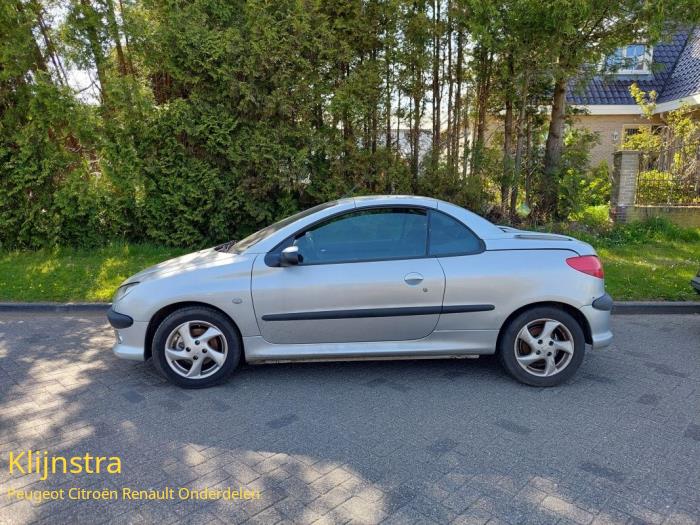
x=402 y=442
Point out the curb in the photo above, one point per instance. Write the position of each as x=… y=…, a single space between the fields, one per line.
x=55 y=307
x=655 y=307
x=619 y=307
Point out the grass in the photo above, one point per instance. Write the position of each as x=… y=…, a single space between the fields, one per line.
x=657 y=270
x=644 y=261
x=74 y=274
x=652 y=260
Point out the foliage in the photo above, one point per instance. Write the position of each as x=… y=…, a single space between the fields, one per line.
x=642 y=261
x=636 y=233
x=649 y=260
x=196 y=122
x=655 y=187
x=581 y=186
x=594 y=218
x=681 y=129
x=74 y=274
x=661 y=271
x=669 y=153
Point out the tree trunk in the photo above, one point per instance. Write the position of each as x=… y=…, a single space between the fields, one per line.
x=450 y=86
x=507 y=177
x=517 y=164
x=528 y=162
x=465 y=132
x=553 y=149
x=415 y=137
x=483 y=90
x=50 y=48
x=95 y=46
x=507 y=153
x=387 y=139
x=374 y=114
x=398 y=121
x=39 y=60
x=115 y=33
x=457 y=110
x=436 y=82
x=126 y=41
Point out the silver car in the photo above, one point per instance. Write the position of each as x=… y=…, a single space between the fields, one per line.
x=388 y=277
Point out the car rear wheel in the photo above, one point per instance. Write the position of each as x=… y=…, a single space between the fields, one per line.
x=543 y=346
x=196 y=347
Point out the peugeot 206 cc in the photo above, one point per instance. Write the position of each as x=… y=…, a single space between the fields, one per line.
x=369 y=278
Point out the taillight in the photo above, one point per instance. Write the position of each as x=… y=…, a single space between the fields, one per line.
x=589 y=264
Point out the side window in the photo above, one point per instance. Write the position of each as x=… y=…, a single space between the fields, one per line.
x=448 y=236
x=365 y=235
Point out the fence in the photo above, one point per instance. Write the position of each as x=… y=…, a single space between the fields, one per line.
x=638 y=195
x=670 y=176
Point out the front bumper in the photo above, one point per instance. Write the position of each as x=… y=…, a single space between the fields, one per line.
x=130 y=335
x=599 y=321
x=695 y=282
x=118 y=320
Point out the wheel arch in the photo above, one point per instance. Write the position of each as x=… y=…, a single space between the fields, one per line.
x=571 y=310
x=160 y=315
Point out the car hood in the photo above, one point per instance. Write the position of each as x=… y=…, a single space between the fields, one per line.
x=192 y=261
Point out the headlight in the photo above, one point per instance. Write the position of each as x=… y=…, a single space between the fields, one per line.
x=122 y=291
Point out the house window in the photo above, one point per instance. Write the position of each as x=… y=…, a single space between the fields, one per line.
x=631 y=130
x=630 y=60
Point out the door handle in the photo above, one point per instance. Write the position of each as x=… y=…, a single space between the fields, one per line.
x=413 y=278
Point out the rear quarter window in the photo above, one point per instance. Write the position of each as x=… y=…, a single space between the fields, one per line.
x=448 y=236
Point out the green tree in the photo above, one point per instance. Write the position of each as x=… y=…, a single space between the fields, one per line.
x=581 y=33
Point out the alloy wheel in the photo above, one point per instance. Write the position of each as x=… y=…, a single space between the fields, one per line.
x=544 y=347
x=196 y=349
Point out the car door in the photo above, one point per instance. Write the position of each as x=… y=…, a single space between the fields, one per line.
x=364 y=276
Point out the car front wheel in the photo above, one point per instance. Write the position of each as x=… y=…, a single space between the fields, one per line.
x=196 y=347
x=542 y=346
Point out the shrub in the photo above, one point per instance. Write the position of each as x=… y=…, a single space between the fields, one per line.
x=580 y=186
x=594 y=218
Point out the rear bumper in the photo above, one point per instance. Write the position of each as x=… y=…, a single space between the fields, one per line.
x=695 y=283
x=604 y=302
x=599 y=321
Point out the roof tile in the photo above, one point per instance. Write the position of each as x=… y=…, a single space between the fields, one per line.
x=668 y=81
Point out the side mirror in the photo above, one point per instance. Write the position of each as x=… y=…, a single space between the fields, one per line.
x=290 y=256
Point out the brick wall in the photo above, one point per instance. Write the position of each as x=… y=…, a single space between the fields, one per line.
x=624 y=192
x=686 y=216
x=624 y=189
x=610 y=133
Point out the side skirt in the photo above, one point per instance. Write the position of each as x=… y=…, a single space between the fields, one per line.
x=439 y=344
x=346 y=359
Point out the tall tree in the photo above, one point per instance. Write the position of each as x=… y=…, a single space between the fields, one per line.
x=580 y=33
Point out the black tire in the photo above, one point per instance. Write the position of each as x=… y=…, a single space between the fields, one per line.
x=197 y=313
x=506 y=348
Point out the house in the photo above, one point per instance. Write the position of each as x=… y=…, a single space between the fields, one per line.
x=671 y=68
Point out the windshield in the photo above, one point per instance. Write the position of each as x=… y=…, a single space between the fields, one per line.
x=259 y=235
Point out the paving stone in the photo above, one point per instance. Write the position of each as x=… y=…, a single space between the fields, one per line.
x=403 y=442
x=567 y=510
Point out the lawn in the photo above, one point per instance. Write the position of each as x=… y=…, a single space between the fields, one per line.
x=653 y=261
x=658 y=270
x=74 y=275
